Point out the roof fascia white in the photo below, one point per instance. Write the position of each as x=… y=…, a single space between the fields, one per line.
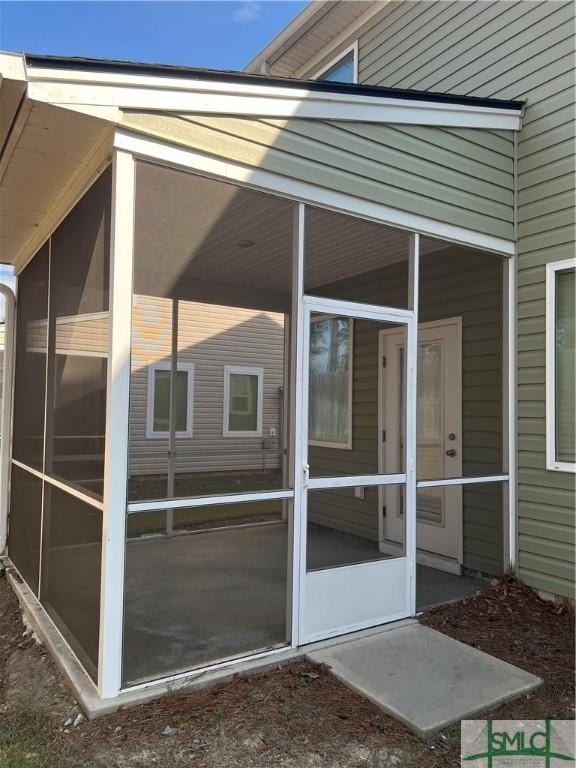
x=180 y=95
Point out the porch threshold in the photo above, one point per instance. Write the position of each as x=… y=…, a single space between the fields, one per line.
x=424 y=678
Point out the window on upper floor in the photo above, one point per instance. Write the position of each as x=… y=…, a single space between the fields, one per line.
x=560 y=365
x=343 y=69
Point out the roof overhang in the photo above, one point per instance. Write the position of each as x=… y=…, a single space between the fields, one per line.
x=59 y=117
x=321 y=27
x=92 y=86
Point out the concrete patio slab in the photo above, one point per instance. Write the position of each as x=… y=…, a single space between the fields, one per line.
x=424 y=678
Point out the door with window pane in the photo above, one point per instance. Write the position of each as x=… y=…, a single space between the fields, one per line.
x=349 y=581
x=439 y=437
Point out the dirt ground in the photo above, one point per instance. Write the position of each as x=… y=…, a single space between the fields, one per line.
x=297 y=716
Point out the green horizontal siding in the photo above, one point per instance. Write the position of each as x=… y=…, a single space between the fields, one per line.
x=437 y=173
x=521 y=50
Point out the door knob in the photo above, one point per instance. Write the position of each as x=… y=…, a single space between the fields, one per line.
x=451 y=452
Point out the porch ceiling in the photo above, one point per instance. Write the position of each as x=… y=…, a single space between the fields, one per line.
x=221 y=234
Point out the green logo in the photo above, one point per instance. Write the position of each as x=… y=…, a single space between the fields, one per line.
x=534 y=742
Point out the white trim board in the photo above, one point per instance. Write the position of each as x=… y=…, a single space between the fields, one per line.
x=265 y=181
x=551 y=272
x=136 y=507
x=74 y=88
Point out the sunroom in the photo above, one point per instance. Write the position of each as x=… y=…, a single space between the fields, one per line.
x=262 y=362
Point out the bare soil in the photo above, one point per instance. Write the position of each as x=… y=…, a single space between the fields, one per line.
x=296 y=716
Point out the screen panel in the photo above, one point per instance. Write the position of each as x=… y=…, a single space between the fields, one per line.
x=347 y=526
x=212 y=288
x=71 y=564
x=30 y=361
x=215 y=590
x=353 y=259
x=25 y=521
x=79 y=329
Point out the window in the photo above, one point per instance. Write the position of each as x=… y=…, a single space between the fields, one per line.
x=158 y=410
x=344 y=69
x=560 y=366
x=330 y=398
x=243 y=401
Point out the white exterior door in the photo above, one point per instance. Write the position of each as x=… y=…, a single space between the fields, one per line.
x=347 y=582
x=439 y=441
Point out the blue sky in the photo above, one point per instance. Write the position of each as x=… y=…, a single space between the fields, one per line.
x=221 y=34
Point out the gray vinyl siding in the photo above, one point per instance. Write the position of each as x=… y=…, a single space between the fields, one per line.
x=452 y=176
x=455 y=283
x=521 y=50
x=210 y=337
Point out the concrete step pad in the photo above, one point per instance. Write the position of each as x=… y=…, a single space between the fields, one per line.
x=424 y=678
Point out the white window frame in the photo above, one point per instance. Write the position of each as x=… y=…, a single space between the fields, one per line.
x=347 y=446
x=352 y=49
x=248 y=371
x=151 y=433
x=551 y=270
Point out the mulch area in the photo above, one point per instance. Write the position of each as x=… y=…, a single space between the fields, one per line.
x=296 y=716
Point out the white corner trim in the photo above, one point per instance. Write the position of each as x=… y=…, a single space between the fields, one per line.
x=181 y=95
x=151 y=433
x=267 y=181
x=7 y=379
x=551 y=270
x=351 y=49
x=248 y=371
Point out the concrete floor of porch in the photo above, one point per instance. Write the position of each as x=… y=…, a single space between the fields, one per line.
x=197 y=598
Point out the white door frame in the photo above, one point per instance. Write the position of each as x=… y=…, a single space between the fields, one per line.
x=426 y=558
x=317 y=618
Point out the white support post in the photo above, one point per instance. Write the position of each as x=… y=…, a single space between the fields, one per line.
x=117 y=405
x=411 y=411
x=6 y=417
x=297 y=423
x=510 y=426
x=172 y=416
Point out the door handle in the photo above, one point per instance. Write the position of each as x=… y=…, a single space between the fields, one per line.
x=451 y=452
x=306 y=473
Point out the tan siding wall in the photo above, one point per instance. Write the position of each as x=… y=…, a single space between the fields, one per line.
x=440 y=174
x=210 y=337
x=520 y=50
x=455 y=283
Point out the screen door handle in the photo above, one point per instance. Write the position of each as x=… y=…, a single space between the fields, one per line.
x=306 y=473
x=451 y=452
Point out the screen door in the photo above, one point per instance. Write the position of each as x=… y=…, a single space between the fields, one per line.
x=348 y=581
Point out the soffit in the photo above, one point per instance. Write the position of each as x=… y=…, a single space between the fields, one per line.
x=50 y=145
x=320 y=26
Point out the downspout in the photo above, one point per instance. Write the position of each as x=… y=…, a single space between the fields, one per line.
x=512 y=379
x=6 y=413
